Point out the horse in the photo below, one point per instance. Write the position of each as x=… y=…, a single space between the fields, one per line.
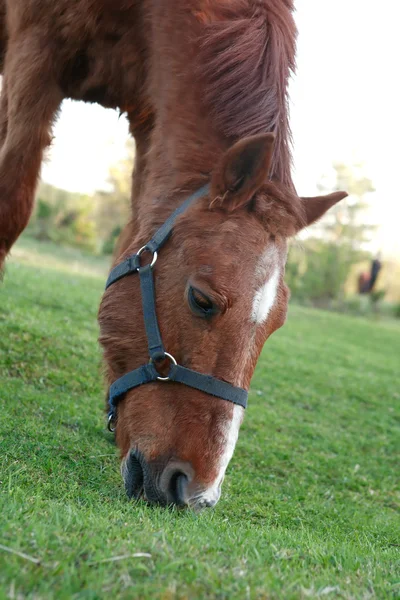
x=197 y=283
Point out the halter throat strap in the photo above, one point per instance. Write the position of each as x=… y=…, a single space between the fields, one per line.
x=148 y=373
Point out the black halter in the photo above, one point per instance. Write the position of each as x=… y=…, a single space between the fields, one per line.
x=148 y=373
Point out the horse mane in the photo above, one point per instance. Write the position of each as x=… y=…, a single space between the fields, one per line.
x=247 y=54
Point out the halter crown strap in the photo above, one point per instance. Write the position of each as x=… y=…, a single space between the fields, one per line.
x=148 y=373
x=132 y=263
x=162 y=234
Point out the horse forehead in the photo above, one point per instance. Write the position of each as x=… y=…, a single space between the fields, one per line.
x=216 y=243
x=229 y=249
x=267 y=278
x=269 y=260
x=231 y=269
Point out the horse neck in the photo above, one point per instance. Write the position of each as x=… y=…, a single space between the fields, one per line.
x=141 y=132
x=185 y=144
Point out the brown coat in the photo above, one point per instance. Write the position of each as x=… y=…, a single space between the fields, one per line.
x=55 y=50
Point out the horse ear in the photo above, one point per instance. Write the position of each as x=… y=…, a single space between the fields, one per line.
x=316 y=207
x=242 y=171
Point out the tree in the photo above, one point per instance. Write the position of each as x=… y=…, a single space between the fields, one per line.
x=319 y=274
x=64 y=217
x=113 y=205
x=345 y=222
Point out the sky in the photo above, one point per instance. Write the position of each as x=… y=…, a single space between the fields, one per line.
x=345 y=106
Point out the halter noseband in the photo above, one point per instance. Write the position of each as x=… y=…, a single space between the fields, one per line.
x=148 y=373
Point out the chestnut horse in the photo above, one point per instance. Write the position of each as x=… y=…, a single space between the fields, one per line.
x=205 y=86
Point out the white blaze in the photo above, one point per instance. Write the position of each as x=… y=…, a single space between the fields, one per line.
x=231 y=436
x=265 y=297
x=264 y=300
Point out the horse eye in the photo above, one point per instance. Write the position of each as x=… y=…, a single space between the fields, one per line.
x=200 y=304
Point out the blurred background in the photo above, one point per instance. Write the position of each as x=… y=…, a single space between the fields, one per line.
x=345 y=120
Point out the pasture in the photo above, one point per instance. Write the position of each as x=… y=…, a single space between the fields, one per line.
x=311 y=498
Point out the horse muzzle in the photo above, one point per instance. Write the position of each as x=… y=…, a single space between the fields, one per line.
x=165 y=482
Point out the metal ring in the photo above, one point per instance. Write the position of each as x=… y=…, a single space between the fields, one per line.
x=110 y=420
x=144 y=249
x=172 y=359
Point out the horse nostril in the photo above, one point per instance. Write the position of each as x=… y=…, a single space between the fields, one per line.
x=178 y=487
x=168 y=485
x=174 y=482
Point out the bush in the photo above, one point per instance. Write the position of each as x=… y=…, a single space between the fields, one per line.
x=65 y=218
x=109 y=244
x=319 y=272
x=355 y=305
x=44 y=217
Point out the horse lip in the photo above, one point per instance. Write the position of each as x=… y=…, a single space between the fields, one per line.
x=132 y=473
x=138 y=479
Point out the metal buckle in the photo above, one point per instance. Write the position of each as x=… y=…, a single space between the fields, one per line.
x=110 y=423
x=173 y=361
x=144 y=249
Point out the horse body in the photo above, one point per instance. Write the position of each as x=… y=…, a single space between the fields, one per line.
x=54 y=50
x=205 y=87
x=97 y=49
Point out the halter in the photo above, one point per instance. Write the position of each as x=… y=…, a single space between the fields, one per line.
x=148 y=372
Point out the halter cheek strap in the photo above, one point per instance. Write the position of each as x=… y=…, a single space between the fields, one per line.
x=148 y=373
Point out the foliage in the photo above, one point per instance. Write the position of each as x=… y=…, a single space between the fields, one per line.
x=113 y=206
x=318 y=273
x=377 y=296
x=109 y=244
x=366 y=306
x=64 y=217
x=310 y=500
x=345 y=222
x=87 y=222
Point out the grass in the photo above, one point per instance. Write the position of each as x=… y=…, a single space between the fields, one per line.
x=310 y=502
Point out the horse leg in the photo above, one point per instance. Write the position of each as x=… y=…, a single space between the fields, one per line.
x=29 y=103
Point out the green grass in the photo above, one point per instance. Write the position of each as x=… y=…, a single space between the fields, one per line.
x=310 y=502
